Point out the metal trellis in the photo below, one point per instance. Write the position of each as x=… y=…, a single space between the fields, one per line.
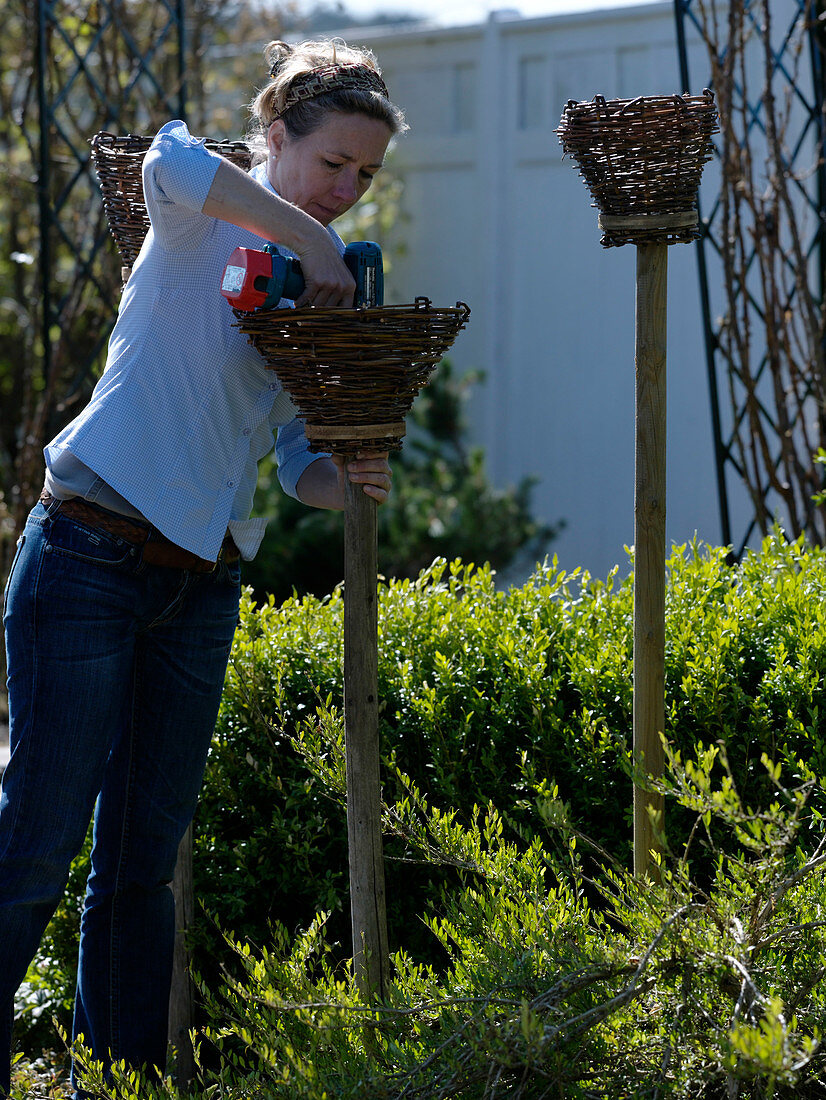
x=101 y=64
x=800 y=148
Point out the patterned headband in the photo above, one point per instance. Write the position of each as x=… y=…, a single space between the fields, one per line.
x=333 y=78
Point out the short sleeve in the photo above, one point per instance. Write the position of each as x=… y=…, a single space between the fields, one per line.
x=178 y=171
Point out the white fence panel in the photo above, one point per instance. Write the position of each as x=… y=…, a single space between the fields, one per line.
x=495 y=217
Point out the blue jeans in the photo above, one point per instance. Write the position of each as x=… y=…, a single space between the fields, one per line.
x=115 y=675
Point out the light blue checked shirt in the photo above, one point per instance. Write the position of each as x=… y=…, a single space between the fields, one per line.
x=185 y=407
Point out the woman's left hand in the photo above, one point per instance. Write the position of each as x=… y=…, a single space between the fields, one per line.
x=371 y=470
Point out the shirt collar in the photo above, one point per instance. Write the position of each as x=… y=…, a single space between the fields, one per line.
x=259 y=174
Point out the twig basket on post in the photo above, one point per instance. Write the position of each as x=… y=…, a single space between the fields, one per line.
x=642 y=160
x=353 y=375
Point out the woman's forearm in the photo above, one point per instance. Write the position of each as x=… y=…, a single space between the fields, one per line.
x=236 y=197
x=320 y=485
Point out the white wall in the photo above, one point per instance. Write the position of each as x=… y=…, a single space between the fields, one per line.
x=497 y=219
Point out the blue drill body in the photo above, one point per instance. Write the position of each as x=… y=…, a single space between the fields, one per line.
x=259 y=280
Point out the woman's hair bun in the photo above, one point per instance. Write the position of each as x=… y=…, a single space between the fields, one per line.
x=276 y=54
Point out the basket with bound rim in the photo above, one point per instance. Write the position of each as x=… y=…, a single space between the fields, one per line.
x=642 y=160
x=353 y=374
x=118 y=161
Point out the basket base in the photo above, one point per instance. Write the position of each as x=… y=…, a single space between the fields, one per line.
x=649 y=228
x=352 y=433
x=686 y=220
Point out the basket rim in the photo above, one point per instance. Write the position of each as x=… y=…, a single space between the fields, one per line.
x=109 y=142
x=619 y=106
x=314 y=315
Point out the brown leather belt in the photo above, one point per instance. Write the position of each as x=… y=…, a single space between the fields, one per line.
x=157 y=548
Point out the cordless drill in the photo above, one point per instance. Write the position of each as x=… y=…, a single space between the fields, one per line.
x=255 y=280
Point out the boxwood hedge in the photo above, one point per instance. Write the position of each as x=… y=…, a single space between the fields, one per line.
x=487 y=696
x=484 y=693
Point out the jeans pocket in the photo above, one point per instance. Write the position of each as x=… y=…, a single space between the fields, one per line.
x=21 y=542
x=228 y=573
x=71 y=538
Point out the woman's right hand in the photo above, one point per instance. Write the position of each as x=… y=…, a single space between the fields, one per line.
x=327 y=281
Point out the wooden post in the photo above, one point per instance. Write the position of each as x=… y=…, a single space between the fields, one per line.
x=361 y=721
x=649 y=543
x=181 y=1006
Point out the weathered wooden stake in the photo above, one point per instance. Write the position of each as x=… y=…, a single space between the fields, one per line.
x=361 y=726
x=181 y=1001
x=649 y=545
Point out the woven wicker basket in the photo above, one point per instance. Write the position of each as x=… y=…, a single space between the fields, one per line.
x=354 y=373
x=118 y=162
x=642 y=160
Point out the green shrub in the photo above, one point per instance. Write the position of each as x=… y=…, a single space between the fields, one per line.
x=665 y=990
x=486 y=695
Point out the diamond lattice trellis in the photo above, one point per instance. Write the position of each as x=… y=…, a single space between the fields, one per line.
x=790 y=56
x=101 y=64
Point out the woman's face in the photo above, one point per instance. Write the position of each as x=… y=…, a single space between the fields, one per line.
x=328 y=171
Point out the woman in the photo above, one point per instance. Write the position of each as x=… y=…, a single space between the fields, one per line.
x=123 y=598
